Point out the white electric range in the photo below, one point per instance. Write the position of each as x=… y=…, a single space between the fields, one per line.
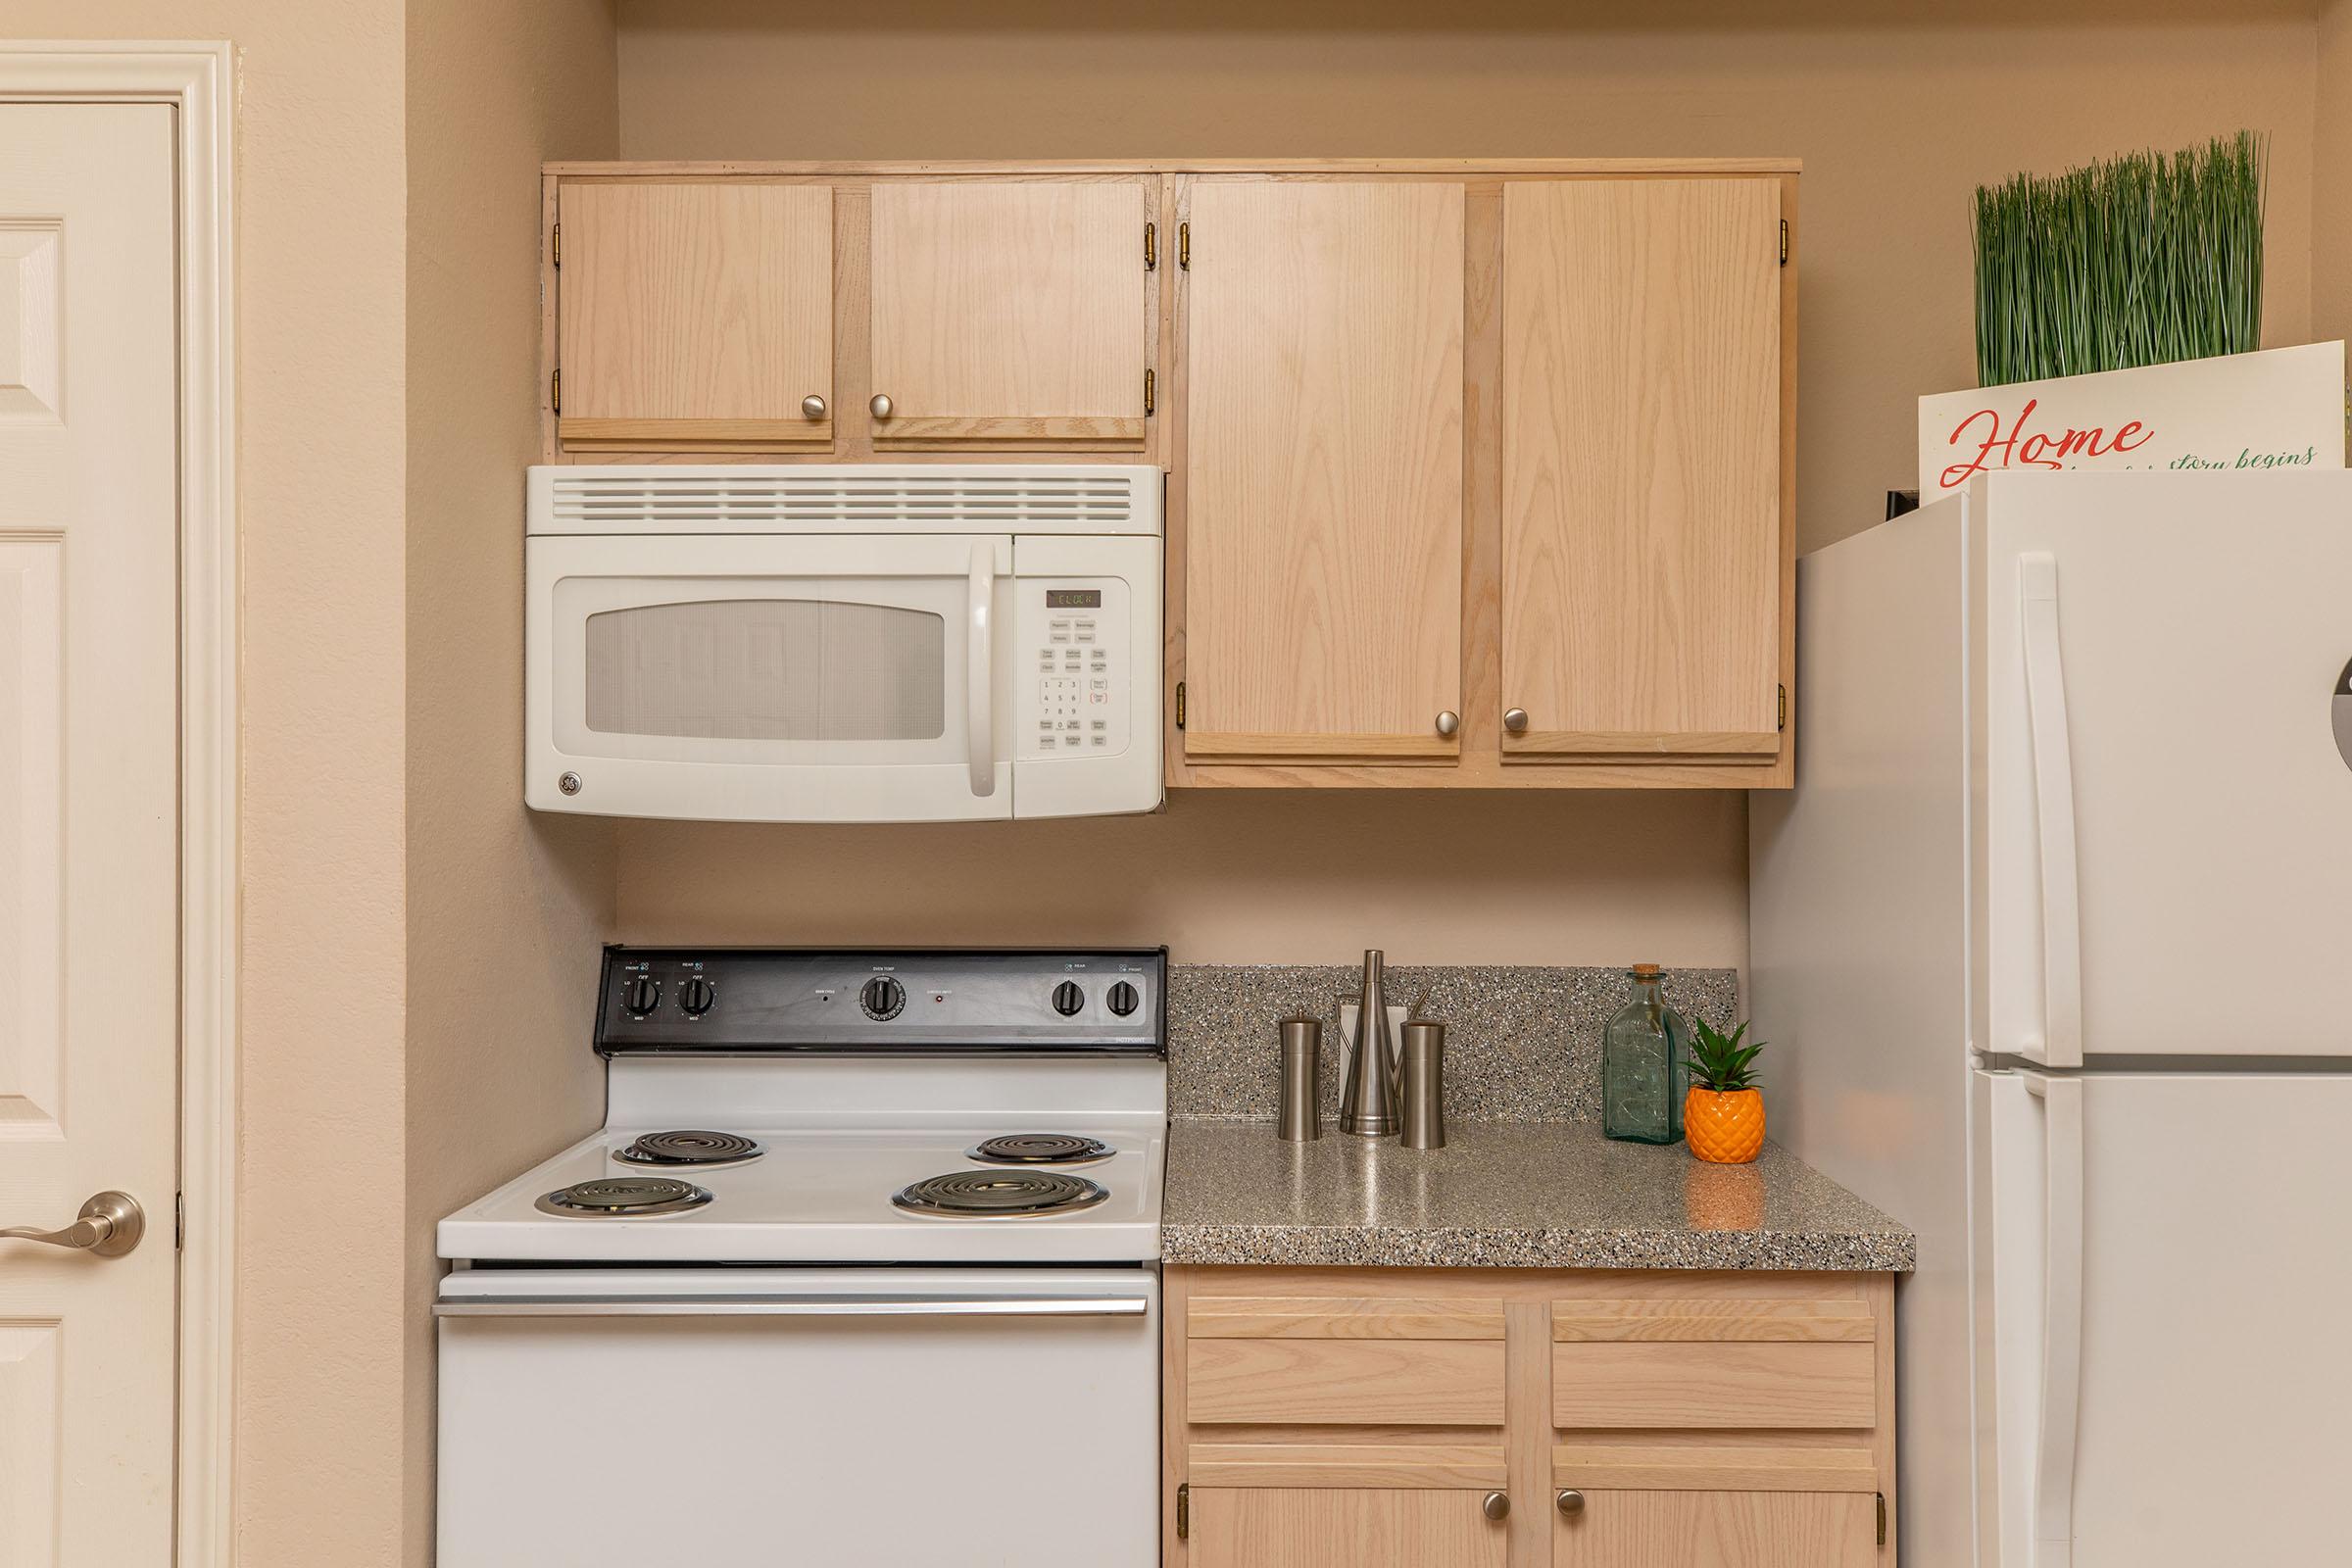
x=861 y=1270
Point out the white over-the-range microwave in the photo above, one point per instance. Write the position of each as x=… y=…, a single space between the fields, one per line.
x=843 y=643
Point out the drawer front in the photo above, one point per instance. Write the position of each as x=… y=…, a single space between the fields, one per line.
x=1319 y=1382
x=1717 y=1530
x=1333 y=1317
x=1319 y=1527
x=1649 y=1384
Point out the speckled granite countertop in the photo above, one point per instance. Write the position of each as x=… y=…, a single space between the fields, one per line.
x=1521 y=1195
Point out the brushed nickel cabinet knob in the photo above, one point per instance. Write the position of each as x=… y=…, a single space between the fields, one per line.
x=812 y=406
x=1497 y=1505
x=1572 y=1503
x=1514 y=719
x=880 y=406
x=1448 y=722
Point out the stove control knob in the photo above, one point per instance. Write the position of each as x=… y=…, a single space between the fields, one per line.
x=1067 y=998
x=641 y=994
x=882 y=997
x=1122 y=998
x=696 y=997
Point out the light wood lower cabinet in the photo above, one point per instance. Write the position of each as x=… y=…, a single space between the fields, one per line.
x=1427 y=1418
x=1353 y=1527
x=1718 y=1529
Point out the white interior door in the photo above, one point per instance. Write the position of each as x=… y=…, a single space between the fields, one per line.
x=2195 y=628
x=88 y=827
x=2211 y=1394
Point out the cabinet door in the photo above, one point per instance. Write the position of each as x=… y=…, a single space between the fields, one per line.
x=695 y=317
x=1010 y=313
x=1333 y=1526
x=1323 y=471
x=1717 y=1530
x=1641 y=545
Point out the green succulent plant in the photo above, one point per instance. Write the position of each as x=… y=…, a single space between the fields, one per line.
x=1719 y=1061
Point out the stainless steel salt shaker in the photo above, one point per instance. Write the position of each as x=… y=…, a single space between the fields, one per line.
x=1299 y=1114
x=1423 y=1074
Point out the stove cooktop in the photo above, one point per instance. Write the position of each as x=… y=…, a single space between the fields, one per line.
x=832 y=1196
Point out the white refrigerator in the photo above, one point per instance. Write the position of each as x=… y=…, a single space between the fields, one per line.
x=2053 y=944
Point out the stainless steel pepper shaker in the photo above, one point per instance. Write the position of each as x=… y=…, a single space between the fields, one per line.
x=1368 y=1095
x=1299 y=1114
x=1423 y=1074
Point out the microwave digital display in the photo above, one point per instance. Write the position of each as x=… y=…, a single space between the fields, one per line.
x=1073 y=598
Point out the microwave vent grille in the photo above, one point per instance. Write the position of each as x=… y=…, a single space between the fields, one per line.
x=870 y=500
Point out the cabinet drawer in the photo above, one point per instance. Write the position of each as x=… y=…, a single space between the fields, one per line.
x=1358 y=1382
x=1717 y=1530
x=1275 y=1528
x=1714 y=1364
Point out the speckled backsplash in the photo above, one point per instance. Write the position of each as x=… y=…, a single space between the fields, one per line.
x=1522 y=1043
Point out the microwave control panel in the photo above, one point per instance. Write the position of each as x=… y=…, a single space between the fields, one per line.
x=1079 y=665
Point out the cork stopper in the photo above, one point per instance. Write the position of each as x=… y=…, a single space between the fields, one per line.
x=1645 y=972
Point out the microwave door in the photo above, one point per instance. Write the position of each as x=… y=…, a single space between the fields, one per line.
x=790 y=679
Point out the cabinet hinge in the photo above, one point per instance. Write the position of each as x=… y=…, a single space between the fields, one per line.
x=1150 y=246
x=554 y=392
x=1184 y=1513
x=1783 y=707
x=1151 y=392
x=1784 y=242
x=554 y=246
x=1184 y=246
x=1180 y=704
x=1881 y=1497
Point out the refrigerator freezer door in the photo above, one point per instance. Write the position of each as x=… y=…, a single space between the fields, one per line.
x=2212 y=1392
x=2164 y=653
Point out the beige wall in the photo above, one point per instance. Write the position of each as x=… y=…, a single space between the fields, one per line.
x=1237 y=877
x=1896 y=124
x=320 y=197
x=2331 y=206
x=506 y=909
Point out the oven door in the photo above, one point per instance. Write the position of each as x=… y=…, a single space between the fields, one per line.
x=763 y=678
x=856 y=1418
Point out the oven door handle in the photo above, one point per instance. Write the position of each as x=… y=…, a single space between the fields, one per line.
x=979 y=673
x=817 y=1306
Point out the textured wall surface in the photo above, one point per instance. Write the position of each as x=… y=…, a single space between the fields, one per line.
x=506 y=909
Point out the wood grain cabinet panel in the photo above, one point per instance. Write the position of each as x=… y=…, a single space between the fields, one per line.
x=1325 y=1528
x=1011 y=313
x=1693 y=1384
x=695 y=316
x=1640 y=413
x=1718 y=1529
x=1323 y=326
x=1438 y=1383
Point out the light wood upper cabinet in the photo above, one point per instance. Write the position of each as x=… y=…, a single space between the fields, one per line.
x=1641 y=526
x=1011 y=313
x=1333 y=1527
x=1322 y=328
x=695 y=316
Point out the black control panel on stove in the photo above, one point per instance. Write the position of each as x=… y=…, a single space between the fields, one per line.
x=914 y=1000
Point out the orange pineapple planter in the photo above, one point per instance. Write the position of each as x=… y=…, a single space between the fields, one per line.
x=1723 y=1112
x=1725 y=1129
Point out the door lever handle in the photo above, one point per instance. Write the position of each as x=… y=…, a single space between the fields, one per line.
x=109 y=1225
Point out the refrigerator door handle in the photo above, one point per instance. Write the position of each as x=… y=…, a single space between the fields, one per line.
x=2061 y=1394
x=2061 y=1045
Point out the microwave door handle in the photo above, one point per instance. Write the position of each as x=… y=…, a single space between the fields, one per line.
x=979 y=675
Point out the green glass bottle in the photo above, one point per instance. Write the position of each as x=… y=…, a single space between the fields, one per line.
x=1642 y=1071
